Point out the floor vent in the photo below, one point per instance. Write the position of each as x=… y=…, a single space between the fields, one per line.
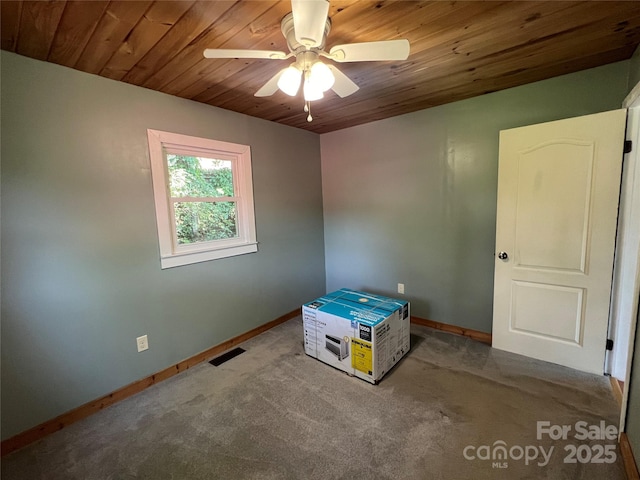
x=216 y=362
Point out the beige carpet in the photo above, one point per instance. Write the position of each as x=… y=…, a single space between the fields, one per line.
x=274 y=413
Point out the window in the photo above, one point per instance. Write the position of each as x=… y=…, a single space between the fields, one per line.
x=204 y=198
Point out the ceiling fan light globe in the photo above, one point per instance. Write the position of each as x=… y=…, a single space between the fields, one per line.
x=312 y=91
x=289 y=81
x=322 y=76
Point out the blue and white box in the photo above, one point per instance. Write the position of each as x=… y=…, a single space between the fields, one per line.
x=359 y=333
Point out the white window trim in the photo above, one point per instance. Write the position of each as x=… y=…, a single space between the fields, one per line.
x=172 y=254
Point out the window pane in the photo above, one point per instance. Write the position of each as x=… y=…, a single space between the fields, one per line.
x=199 y=176
x=205 y=221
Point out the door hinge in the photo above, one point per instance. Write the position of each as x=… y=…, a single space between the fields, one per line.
x=628 y=146
x=609 y=344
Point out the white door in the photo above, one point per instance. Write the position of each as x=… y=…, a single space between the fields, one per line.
x=558 y=191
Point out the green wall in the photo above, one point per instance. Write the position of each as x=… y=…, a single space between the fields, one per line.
x=412 y=199
x=81 y=275
x=634 y=69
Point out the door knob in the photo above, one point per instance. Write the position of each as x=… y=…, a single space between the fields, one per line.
x=503 y=256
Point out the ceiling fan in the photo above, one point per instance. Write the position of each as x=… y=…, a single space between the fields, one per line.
x=306 y=29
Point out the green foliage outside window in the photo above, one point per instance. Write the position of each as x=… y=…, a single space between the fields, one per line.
x=199 y=179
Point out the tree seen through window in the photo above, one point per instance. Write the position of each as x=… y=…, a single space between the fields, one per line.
x=202 y=192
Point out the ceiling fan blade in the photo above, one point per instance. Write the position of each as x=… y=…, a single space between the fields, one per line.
x=271 y=86
x=371 y=51
x=223 y=53
x=343 y=86
x=309 y=20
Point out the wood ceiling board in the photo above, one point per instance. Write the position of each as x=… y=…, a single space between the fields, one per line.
x=78 y=22
x=363 y=112
x=238 y=73
x=38 y=24
x=10 y=13
x=482 y=86
x=498 y=61
x=484 y=26
x=264 y=31
x=116 y=23
x=153 y=25
x=213 y=83
x=193 y=24
x=187 y=65
x=458 y=49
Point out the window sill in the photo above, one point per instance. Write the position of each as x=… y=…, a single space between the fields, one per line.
x=187 y=258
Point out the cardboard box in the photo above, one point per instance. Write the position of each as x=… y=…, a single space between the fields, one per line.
x=359 y=333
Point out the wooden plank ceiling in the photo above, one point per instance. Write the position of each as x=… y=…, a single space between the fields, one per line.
x=458 y=49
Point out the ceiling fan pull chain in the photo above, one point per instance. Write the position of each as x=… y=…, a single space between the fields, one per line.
x=308 y=109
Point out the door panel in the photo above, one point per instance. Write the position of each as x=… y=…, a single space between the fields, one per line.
x=558 y=189
x=535 y=307
x=552 y=174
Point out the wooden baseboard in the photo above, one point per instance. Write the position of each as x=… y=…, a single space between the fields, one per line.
x=36 y=433
x=630 y=465
x=445 y=327
x=617 y=387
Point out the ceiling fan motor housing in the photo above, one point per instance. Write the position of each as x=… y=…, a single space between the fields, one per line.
x=296 y=47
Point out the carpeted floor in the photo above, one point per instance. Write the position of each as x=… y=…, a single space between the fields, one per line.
x=274 y=413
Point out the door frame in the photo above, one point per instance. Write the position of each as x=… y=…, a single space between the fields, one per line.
x=625 y=334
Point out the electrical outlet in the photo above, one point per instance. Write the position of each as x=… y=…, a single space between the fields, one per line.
x=401 y=288
x=143 y=343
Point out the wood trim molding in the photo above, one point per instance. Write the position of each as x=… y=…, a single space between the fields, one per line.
x=36 y=433
x=617 y=387
x=445 y=327
x=630 y=465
